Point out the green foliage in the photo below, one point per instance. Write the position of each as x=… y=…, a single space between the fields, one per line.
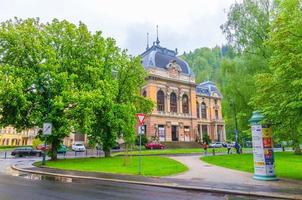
x=247 y=26
x=206 y=139
x=62 y=73
x=36 y=142
x=144 y=140
x=33 y=82
x=205 y=62
x=279 y=93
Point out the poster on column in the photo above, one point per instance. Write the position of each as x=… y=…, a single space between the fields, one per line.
x=258 y=151
x=268 y=150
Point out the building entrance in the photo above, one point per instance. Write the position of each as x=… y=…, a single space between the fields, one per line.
x=174 y=133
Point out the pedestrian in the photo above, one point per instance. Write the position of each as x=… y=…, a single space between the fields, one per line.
x=205 y=148
x=237 y=147
x=229 y=147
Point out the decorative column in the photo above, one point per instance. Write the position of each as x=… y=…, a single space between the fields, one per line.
x=179 y=102
x=263 y=151
x=199 y=107
x=168 y=102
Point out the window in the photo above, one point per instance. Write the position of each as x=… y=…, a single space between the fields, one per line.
x=197 y=110
x=160 y=100
x=185 y=104
x=161 y=133
x=215 y=101
x=173 y=102
x=204 y=130
x=216 y=114
x=203 y=110
x=144 y=93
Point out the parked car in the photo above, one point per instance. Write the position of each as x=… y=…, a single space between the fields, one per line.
x=78 y=147
x=154 y=145
x=62 y=149
x=42 y=147
x=116 y=146
x=216 y=145
x=26 y=151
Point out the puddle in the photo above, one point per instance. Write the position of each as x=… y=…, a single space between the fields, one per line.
x=40 y=177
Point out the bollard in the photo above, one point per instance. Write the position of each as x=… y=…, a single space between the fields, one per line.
x=213 y=151
x=5 y=155
x=86 y=152
x=75 y=153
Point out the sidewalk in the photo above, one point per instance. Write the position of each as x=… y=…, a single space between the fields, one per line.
x=201 y=176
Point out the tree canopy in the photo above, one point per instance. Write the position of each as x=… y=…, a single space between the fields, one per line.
x=62 y=73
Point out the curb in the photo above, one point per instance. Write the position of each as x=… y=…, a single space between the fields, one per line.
x=165 y=185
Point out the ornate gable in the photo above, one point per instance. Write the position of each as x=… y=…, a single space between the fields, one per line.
x=173 y=68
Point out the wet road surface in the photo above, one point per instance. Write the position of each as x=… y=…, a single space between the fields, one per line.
x=22 y=186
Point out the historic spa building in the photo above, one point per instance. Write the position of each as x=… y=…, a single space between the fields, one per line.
x=185 y=110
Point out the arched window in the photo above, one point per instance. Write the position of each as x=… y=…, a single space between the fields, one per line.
x=160 y=100
x=197 y=110
x=185 y=104
x=173 y=102
x=203 y=110
x=144 y=93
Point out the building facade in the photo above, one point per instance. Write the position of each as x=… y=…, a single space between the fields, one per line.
x=9 y=136
x=185 y=111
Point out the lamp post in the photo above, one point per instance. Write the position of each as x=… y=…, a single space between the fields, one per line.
x=232 y=104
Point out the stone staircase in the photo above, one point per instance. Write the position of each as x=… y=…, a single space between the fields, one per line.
x=177 y=145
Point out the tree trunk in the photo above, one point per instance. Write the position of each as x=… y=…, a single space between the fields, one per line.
x=54 y=146
x=297 y=149
x=107 y=153
x=296 y=145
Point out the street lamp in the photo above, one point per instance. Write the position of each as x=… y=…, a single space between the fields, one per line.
x=232 y=104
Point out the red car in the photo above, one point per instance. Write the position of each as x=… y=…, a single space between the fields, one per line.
x=42 y=147
x=154 y=145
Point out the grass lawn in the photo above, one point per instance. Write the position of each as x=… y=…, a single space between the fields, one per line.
x=151 y=165
x=287 y=164
x=6 y=148
x=175 y=151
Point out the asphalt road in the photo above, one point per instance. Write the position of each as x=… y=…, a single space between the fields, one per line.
x=18 y=188
x=35 y=187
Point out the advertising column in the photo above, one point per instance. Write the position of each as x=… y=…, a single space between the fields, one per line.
x=263 y=152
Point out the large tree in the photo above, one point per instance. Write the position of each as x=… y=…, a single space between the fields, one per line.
x=246 y=30
x=107 y=108
x=33 y=84
x=279 y=93
x=62 y=73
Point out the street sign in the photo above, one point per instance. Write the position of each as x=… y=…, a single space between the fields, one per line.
x=141 y=130
x=47 y=127
x=140 y=118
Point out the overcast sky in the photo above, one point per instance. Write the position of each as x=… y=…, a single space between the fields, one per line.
x=183 y=24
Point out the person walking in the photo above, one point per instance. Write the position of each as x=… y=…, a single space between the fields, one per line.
x=237 y=147
x=205 y=148
x=229 y=147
